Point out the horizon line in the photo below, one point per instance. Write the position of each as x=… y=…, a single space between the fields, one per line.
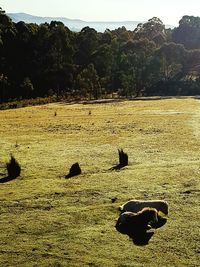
x=88 y=21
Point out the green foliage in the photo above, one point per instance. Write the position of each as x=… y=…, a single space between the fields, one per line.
x=87 y=63
x=4 y=88
x=188 y=32
x=27 y=87
x=88 y=82
x=153 y=30
x=171 y=57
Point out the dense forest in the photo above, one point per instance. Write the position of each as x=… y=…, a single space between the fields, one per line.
x=49 y=59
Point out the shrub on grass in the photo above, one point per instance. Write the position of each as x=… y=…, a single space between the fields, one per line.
x=123 y=158
x=74 y=170
x=13 y=168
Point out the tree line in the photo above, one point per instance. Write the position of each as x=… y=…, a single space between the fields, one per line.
x=49 y=59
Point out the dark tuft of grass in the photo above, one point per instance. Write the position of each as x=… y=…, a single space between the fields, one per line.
x=13 y=168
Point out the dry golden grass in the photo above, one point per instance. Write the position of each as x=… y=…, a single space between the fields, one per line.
x=47 y=220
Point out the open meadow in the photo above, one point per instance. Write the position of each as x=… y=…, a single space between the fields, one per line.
x=47 y=220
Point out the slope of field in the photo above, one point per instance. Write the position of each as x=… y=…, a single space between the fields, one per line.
x=47 y=220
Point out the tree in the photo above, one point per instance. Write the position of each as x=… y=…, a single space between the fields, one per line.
x=23 y=51
x=88 y=82
x=86 y=45
x=191 y=65
x=27 y=87
x=127 y=84
x=4 y=88
x=171 y=59
x=54 y=53
x=104 y=62
x=136 y=56
x=188 y=32
x=153 y=29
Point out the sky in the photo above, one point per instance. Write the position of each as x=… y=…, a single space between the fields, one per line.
x=169 y=11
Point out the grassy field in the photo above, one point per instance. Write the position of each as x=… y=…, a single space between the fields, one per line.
x=47 y=220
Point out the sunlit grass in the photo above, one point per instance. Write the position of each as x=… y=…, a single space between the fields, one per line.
x=47 y=220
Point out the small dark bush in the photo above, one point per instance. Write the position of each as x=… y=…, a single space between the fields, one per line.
x=13 y=168
x=123 y=158
x=74 y=170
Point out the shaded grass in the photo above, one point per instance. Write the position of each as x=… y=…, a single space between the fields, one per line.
x=47 y=220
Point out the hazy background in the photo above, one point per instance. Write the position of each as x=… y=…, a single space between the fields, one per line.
x=170 y=12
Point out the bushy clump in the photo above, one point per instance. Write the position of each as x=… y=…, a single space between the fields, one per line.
x=13 y=168
x=74 y=170
x=123 y=158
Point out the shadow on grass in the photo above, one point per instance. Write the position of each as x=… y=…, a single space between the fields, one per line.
x=141 y=239
x=116 y=167
x=6 y=179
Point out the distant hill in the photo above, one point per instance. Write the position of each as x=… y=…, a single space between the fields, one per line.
x=76 y=24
